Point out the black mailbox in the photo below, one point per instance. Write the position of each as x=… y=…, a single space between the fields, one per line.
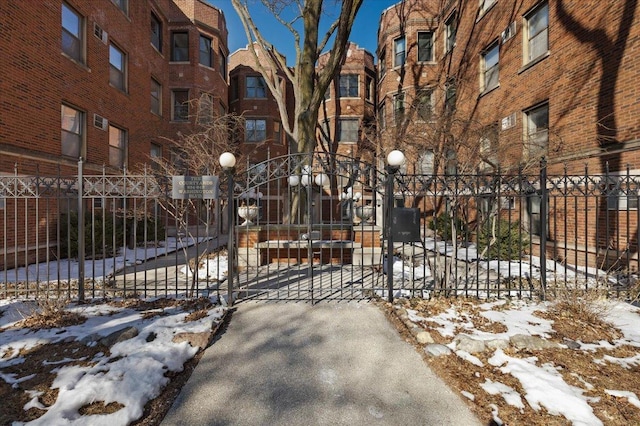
x=405 y=225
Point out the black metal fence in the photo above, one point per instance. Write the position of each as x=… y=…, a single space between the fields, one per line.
x=318 y=227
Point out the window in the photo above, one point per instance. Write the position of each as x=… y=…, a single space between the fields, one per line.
x=180 y=105
x=205 y=109
x=424 y=104
x=72 y=136
x=382 y=121
x=156 y=32
x=534 y=209
x=621 y=198
x=123 y=5
x=117 y=147
x=450 y=30
x=255 y=130
x=490 y=68
x=426 y=162
x=486 y=5
x=72 y=33
x=156 y=156
x=398 y=106
x=536 y=33
x=156 y=97
x=450 y=96
x=382 y=64
x=399 y=52
x=349 y=86
x=425 y=46
x=179 y=161
x=256 y=87
x=369 y=88
x=205 y=51
x=348 y=130
x=488 y=145
x=117 y=68
x=180 y=47
x=537 y=130
x=234 y=88
x=223 y=65
x=451 y=162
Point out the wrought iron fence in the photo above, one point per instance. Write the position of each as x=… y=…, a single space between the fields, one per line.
x=480 y=235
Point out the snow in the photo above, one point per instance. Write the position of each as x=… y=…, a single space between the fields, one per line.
x=135 y=370
x=131 y=375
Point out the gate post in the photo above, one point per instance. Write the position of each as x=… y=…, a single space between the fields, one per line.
x=394 y=160
x=228 y=162
x=80 y=231
x=543 y=226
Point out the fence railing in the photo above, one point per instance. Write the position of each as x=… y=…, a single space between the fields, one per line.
x=508 y=234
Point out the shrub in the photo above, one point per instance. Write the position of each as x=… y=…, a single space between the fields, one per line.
x=510 y=240
x=442 y=225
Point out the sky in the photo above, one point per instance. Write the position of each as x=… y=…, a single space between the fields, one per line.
x=364 y=32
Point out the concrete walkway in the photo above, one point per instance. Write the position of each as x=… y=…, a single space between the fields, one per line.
x=324 y=364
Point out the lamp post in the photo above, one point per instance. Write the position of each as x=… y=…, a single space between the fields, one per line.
x=395 y=159
x=228 y=162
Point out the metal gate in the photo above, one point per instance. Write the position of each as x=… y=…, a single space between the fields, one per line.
x=311 y=228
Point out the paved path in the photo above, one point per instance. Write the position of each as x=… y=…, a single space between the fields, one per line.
x=324 y=364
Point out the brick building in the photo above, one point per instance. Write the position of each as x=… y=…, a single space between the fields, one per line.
x=494 y=84
x=109 y=81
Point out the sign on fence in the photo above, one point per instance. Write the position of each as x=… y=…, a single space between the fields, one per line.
x=405 y=224
x=200 y=187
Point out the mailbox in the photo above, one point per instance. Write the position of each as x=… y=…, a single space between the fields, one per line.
x=405 y=225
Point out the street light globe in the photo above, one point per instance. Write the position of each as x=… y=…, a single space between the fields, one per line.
x=322 y=179
x=293 y=180
x=227 y=160
x=306 y=179
x=395 y=158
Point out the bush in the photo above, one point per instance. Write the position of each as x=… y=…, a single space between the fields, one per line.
x=510 y=241
x=442 y=225
x=99 y=231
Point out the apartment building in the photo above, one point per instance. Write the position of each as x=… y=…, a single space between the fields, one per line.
x=511 y=82
x=106 y=80
x=347 y=115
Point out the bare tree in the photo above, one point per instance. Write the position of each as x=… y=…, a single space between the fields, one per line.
x=309 y=83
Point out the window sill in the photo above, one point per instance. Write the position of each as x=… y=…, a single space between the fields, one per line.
x=124 y=92
x=156 y=49
x=179 y=62
x=206 y=66
x=427 y=62
x=489 y=90
x=78 y=63
x=533 y=62
x=179 y=121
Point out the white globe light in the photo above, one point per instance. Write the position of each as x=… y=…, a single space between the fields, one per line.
x=227 y=160
x=293 y=180
x=395 y=158
x=322 y=179
x=306 y=180
x=357 y=195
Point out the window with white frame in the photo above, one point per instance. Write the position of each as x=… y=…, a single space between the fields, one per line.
x=206 y=55
x=450 y=95
x=255 y=130
x=255 y=87
x=426 y=162
x=180 y=103
x=425 y=46
x=537 y=130
x=348 y=130
x=382 y=120
x=73 y=37
x=156 y=32
x=621 y=197
x=349 y=86
x=536 y=33
x=156 y=97
x=382 y=64
x=488 y=146
x=424 y=104
x=398 y=105
x=117 y=147
x=399 y=51
x=73 y=127
x=180 y=46
x=369 y=89
x=117 y=68
x=155 y=153
x=490 y=67
x=450 y=30
x=486 y=5
x=205 y=109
